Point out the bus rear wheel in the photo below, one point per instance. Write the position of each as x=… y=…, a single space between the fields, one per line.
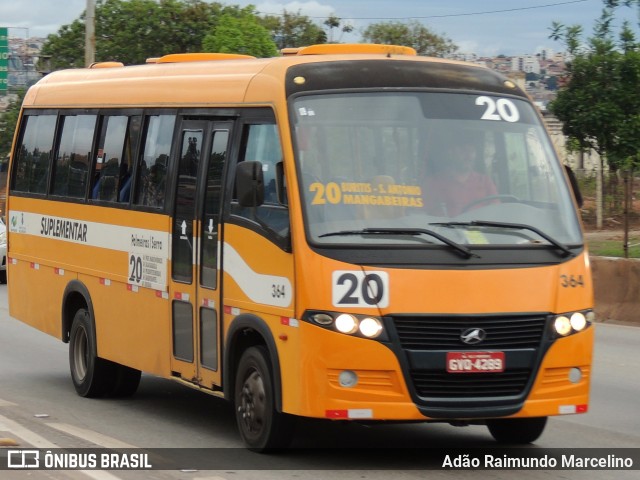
x=125 y=381
x=92 y=376
x=261 y=426
x=517 y=431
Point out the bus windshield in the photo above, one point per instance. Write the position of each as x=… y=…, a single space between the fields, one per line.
x=405 y=167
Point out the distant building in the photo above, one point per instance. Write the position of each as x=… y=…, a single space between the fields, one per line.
x=526 y=64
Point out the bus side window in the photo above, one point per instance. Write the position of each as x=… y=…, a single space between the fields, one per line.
x=72 y=160
x=261 y=143
x=109 y=167
x=31 y=171
x=130 y=146
x=154 y=159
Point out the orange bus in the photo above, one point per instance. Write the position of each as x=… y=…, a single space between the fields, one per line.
x=347 y=232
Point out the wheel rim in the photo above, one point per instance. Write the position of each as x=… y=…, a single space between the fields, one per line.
x=252 y=409
x=80 y=354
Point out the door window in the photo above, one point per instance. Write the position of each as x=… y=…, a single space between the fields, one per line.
x=185 y=205
x=211 y=211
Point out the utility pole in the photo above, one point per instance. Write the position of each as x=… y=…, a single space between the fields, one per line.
x=90 y=34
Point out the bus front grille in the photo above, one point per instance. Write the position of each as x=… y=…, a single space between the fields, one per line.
x=470 y=385
x=444 y=333
x=425 y=341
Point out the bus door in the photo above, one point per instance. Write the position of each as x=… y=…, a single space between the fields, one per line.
x=195 y=281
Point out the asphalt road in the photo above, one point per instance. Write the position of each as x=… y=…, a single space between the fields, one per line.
x=39 y=408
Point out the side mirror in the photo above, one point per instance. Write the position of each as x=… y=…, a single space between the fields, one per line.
x=250 y=184
x=574 y=185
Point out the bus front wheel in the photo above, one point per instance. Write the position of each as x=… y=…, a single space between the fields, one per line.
x=517 y=431
x=261 y=426
x=91 y=374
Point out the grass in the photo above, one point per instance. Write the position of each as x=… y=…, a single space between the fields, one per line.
x=613 y=248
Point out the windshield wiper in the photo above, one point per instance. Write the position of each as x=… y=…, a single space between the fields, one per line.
x=516 y=226
x=461 y=249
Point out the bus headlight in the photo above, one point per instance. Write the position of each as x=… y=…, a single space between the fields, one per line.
x=370 y=327
x=346 y=323
x=365 y=326
x=562 y=326
x=574 y=322
x=578 y=321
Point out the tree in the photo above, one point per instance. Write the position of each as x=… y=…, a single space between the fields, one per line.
x=411 y=34
x=600 y=104
x=334 y=22
x=66 y=48
x=8 y=122
x=293 y=30
x=240 y=34
x=130 y=31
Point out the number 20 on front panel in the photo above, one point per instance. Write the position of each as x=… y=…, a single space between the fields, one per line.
x=355 y=288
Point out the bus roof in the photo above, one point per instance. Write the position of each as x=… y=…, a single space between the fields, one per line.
x=220 y=79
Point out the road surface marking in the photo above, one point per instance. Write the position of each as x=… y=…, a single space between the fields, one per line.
x=37 y=441
x=25 y=434
x=90 y=436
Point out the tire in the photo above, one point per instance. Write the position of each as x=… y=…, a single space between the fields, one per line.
x=3 y=276
x=261 y=426
x=126 y=381
x=517 y=431
x=92 y=376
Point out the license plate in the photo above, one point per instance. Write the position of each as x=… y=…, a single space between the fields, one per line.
x=475 y=362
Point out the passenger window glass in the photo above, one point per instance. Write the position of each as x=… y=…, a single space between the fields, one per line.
x=110 y=170
x=72 y=161
x=151 y=182
x=32 y=158
x=130 y=145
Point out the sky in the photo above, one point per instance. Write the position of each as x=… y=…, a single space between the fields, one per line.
x=484 y=27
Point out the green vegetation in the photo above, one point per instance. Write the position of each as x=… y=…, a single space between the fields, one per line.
x=130 y=31
x=240 y=33
x=599 y=105
x=8 y=120
x=613 y=248
x=411 y=34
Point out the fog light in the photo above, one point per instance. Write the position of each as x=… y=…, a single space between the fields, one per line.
x=370 y=327
x=578 y=321
x=346 y=323
x=562 y=326
x=348 y=379
x=322 y=318
x=575 y=375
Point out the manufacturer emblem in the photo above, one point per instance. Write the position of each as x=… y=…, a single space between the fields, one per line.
x=473 y=336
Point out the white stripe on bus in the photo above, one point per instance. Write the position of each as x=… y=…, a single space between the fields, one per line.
x=258 y=287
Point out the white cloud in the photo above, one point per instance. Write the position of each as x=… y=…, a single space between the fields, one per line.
x=38 y=17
